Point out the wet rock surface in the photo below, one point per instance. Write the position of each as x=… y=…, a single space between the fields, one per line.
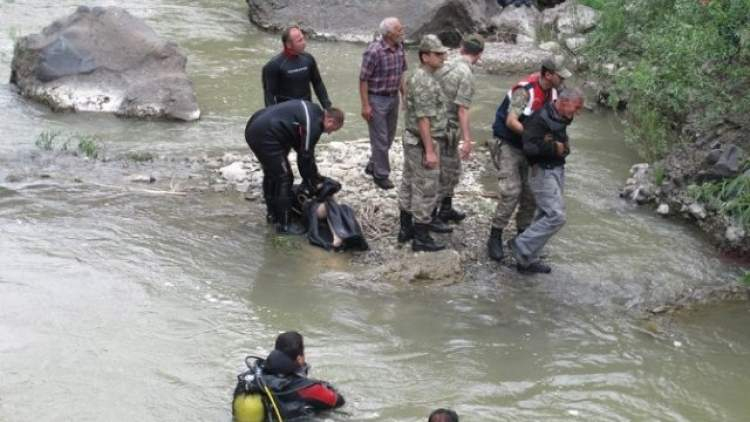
x=715 y=156
x=104 y=60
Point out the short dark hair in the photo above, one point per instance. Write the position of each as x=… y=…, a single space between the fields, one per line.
x=290 y=343
x=443 y=415
x=336 y=114
x=286 y=35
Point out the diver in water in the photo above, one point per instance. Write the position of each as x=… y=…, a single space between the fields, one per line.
x=277 y=388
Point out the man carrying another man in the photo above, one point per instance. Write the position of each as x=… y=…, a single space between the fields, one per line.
x=380 y=81
x=545 y=143
x=289 y=74
x=425 y=122
x=274 y=131
x=457 y=80
x=523 y=99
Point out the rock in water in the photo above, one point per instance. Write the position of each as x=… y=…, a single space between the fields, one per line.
x=104 y=59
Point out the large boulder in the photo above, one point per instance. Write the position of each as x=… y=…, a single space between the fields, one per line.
x=104 y=59
x=508 y=58
x=519 y=25
x=357 y=20
x=570 y=18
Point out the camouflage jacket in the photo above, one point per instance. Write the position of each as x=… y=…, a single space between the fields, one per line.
x=457 y=79
x=424 y=98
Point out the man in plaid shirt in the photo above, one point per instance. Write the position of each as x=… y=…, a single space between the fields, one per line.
x=380 y=82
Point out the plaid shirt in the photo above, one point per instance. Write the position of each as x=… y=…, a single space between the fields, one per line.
x=382 y=67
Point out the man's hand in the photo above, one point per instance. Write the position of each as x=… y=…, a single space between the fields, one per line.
x=367 y=112
x=560 y=148
x=430 y=160
x=466 y=146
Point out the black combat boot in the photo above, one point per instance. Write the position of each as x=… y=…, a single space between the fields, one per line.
x=448 y=213
x=437 y=225
x=422 y=240
x=285 y=224
x=534 y=268
x=495 y=244
x=406 y=231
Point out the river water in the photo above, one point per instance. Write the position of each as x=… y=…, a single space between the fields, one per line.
x=119 y=305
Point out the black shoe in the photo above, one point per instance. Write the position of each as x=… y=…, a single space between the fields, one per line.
x=422 y=241
x=448 y=213
x=406 y=231
x=383 y=183
x=437 y=225
x=495 y=244
x=368 y=169
x=534 y=268
x=285 y=225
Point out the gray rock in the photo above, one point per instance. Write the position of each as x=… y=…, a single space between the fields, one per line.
x=356 y=20
x=697 y=210
x=551 y=46
x=106 y=60
x=141 y=178
x=734 y=233
x=575 y=44
x=234 y=173
x=508 y=58
x=570 y=18
x=443 y=267
x=663 y=209
x=728 y=163
x=518 y=24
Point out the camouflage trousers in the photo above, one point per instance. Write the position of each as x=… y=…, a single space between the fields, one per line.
x=450 y=163
x=513 y=185
x=419 y=186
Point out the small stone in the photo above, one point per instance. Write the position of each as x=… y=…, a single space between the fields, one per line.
x=677 y=343
x=141 y=178
x=663 y=209
x=13 y=178
x=697 y=211
x=219 y=187
x=734 y=233
x=234 y=172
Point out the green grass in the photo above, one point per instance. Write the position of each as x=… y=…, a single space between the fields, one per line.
x=88 y=146
x=46 y=140
x=595 y=4
x=730 y=197
x=679 y=58
x=746 y=277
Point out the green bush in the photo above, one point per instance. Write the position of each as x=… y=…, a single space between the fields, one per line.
x=729 y=197
x=46 y=140
x=680 y=59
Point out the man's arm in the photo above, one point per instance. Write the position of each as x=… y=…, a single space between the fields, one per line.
x=365 y=98
x=539 y=142
x=322 y=396
x=270 y=82
x=319 y=86
x=430 y=158
x=518 y=102
x=463 y=123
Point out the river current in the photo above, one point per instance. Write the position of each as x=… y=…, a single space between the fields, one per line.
x=119 y=305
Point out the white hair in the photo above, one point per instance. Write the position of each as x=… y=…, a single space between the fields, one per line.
x=570 y=94
x=387 y=25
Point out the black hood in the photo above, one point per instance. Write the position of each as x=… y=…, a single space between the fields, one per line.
x=277 y=363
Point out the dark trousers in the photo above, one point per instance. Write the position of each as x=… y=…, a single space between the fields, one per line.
x=382 y=128
x=277 y=177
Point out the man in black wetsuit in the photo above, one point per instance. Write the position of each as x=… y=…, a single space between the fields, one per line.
x=289 y=74
x=274 y=131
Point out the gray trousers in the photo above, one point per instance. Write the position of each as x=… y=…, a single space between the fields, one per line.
x=382 y=131
x=549 y=218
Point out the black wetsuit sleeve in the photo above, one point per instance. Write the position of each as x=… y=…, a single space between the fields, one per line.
x=270 y=78
x=308 y=169
x=318 y=85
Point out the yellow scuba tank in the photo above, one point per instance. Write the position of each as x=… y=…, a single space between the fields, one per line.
x=248 y=408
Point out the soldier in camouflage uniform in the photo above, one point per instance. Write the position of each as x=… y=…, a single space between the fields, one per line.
x=457 y=80
x=425 y=123
x=523 y=99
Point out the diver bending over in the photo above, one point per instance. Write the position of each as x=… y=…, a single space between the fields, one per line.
x=274 y=131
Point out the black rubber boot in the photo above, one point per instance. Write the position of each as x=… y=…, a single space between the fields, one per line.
x=448 y=213
x=285 y=225
x=437 y=225
x=495 y=244
x=422 y=240
x=406 y=231
x=534 y=268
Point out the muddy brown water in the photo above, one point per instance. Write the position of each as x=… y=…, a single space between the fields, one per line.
x=120 y=305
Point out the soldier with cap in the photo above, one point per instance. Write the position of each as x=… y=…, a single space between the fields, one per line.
x=425 y=129
x=457 y=80
x=506 y=148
